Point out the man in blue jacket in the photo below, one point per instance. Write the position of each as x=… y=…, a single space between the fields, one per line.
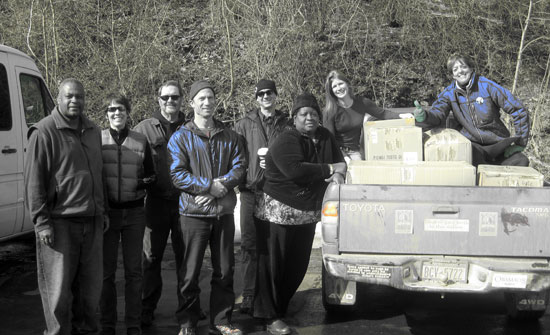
x=208 y=162
x=475 y=102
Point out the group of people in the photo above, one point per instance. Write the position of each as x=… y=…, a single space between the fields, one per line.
x=89 y=191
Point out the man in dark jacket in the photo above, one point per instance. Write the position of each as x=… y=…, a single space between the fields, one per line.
x=161 y=203
x=65 y=196
x=259 y=127
x=208 y=162
x=475 y=102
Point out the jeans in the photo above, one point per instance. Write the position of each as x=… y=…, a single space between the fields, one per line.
x=248 y=242
x=70 y=275
x=126 y=226
x=197 y=234
x=162 y=219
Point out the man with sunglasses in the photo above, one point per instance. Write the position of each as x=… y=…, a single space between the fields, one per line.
x=161 y=203
x=259 y=127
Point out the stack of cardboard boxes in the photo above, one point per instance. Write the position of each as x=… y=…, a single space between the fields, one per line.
x=397 y=152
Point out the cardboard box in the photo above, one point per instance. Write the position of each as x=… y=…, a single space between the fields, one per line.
x=407 y=122
x=509 y=176
x=397 y=140
x=447 y=145
x=421 y=173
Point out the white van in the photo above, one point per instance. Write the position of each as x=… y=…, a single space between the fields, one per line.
x=24 y=100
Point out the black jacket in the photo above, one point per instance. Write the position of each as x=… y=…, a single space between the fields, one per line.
x=296 y=168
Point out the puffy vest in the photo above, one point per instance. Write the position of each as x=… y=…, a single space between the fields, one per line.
x=123 y=165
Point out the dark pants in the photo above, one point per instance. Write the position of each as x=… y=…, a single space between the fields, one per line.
x=197 y=234
x=162 y=220
x=248 y=242
x=283 y=258
x=70 y=274
x=126 y=227
x=480 y=156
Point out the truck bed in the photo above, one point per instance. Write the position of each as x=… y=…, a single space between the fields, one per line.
x=442 y=220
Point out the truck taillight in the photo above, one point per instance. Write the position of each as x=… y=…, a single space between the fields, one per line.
x=330 y=209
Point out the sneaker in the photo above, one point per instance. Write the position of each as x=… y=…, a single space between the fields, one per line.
x=246 y=305
x=147 y=319
x=225 y=330
x=187 y=331
x=277 y=327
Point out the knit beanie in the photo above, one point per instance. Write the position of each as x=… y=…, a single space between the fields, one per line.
x=305 y=100
x=265 y=84
x=199 y=85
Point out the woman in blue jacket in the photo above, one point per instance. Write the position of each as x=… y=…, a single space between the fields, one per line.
x=476 y=103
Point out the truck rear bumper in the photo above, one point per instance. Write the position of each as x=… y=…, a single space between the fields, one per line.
x=442 y=273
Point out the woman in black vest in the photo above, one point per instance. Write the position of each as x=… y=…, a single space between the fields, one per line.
x=127 y=170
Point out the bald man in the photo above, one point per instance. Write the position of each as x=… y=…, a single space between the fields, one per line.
x=65 y=196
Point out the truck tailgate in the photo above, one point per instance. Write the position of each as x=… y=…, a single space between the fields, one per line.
x=448 y=220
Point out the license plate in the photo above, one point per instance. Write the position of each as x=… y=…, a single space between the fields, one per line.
x=456 y=272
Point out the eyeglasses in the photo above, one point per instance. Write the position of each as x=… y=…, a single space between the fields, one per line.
x=263 y=93
x=116 y=108
x=166 y=97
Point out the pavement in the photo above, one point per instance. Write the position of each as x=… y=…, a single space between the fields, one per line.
x=21 y=307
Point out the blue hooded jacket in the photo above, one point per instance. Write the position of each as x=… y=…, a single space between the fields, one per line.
x=197 y=160
x=477 y=110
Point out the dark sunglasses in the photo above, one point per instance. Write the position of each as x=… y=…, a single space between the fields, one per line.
x=263 y=93
x=166 y=97
x=114 y=109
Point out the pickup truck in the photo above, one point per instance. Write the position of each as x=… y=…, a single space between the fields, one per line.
x=444 y=239
x=24 y=100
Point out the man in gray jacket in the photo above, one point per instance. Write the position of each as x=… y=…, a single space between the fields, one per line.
x=259 y=127
x=161 y=204
x=65 y=196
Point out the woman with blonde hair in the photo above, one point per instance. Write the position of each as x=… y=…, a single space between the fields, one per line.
x=345 y=113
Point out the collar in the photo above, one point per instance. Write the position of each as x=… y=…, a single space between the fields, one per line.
x=192 y=126
x=61 y=122
x=157 y=115
x=118 y=135
x=468 y=88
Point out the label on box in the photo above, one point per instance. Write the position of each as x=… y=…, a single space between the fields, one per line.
x=373 y=136
x=407 y=175
x=410 y=157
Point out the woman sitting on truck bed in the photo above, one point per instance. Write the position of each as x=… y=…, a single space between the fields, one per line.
x=345 y=113
x=475 y=102
x=299 y=165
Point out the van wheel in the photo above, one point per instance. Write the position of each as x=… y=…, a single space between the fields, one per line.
x=329 y=286
x=526 y=306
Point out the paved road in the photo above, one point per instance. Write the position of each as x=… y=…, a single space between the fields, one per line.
x=382 y=310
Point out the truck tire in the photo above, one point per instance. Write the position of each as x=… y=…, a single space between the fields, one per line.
x=526 y=306
x=326 y=289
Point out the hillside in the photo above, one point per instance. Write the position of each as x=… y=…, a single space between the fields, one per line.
x=393 y=51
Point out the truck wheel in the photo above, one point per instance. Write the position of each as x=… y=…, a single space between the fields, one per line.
x=330 y=303
x=526 y=306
